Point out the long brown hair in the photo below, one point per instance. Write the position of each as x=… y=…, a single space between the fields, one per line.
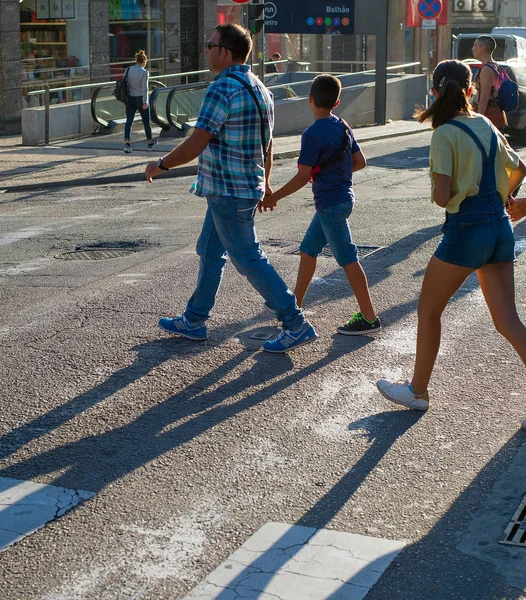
x=452 y=81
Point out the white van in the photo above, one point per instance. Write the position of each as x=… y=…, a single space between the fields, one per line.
x=519 y=31
x=509 y=47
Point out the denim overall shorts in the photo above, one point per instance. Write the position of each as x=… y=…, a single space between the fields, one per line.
x=481 y=231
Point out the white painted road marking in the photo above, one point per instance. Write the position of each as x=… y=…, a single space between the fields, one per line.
x=26 y=506
x=290 y=562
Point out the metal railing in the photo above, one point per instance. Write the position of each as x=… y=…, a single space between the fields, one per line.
x=165 y=119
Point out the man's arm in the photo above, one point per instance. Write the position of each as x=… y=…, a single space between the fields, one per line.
x=182 y=154
x=296 y=183
x=485 y=83
x=268 y=169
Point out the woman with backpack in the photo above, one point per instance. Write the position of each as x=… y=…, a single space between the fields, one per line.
x=137 y=79
x=473 y=170
x=488 y=81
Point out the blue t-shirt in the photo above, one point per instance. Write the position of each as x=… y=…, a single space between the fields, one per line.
x=333 y=184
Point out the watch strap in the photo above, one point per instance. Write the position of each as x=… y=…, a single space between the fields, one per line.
x=161 y=166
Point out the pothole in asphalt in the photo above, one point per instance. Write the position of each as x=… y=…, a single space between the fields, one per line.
x=103 y=250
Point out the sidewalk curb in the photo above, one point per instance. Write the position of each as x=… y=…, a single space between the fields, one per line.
x=184 y=171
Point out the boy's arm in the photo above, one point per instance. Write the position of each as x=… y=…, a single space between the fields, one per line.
x=358 y=161
x=296 y=183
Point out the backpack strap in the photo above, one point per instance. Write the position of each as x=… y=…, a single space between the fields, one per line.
x=342 y=149
x=264 y=144
x=496 y=71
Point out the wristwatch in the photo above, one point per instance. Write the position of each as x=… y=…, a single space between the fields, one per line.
x=161 y=166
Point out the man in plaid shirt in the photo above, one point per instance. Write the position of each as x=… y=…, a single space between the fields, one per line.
x=235 y=160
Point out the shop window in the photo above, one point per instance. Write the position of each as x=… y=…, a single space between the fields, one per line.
x=53 y=51
x=136 y=25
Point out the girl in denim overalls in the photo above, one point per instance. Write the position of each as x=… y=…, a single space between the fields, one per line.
x=470 y=161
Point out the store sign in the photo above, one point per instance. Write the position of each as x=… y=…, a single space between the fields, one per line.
x=309 y=16
x=55 y=9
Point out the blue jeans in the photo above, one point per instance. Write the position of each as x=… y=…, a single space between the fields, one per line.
x=330 y=226
x=228 y=228
x=135 y=104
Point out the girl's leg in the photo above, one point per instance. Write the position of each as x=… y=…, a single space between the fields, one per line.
x=441 y=281
x=130 y=115
x=358 y=282
x=306 y=272
x=145 y=116
x=498 y=287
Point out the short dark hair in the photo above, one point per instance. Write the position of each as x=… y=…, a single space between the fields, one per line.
x=488 y=42
x=276 y=56
x=325 y=90
x=236 y=39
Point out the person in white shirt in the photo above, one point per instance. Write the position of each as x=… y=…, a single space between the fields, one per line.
x=137 y=79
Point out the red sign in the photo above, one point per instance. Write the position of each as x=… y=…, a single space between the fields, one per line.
x=240 y=1
x=429 y=9
x=415 y=20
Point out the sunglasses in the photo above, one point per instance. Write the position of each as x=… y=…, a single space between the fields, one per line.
x=211 y=45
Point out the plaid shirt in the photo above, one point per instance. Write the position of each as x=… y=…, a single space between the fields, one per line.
x=232 y=163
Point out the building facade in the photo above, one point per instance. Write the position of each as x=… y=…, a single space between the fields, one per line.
x=74 y=42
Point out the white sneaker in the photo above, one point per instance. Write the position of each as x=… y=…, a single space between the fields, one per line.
x=127 y=149
x=400 y=393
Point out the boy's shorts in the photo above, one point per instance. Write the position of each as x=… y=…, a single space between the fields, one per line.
x=330 y=226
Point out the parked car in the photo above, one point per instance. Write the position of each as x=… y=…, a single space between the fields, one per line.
x=516 y=70
x=509 y=47
x=519 y=31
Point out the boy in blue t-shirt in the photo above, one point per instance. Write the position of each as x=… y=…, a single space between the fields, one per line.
x=329 y=155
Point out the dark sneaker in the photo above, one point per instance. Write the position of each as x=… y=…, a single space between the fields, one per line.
x=181 y=326
x=288 y=340
x=358 y=325
x=127 y=149
x=152 y=145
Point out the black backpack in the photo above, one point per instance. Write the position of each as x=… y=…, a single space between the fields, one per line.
x=121 y=91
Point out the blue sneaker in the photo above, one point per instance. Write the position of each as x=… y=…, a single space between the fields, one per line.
x=181 y=326
x=288 y=340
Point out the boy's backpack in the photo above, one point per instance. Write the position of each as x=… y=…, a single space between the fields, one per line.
x=508 y=91
x=121 y=91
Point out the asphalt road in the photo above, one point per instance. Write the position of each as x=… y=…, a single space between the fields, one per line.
x=191 y=447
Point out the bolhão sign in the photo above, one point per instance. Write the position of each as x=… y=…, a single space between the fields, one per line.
x=309 y=16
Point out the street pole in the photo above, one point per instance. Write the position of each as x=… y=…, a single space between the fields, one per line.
x=380 y=88
x=263 y=46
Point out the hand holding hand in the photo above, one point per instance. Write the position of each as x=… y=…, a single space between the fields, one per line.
x=268 y=203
